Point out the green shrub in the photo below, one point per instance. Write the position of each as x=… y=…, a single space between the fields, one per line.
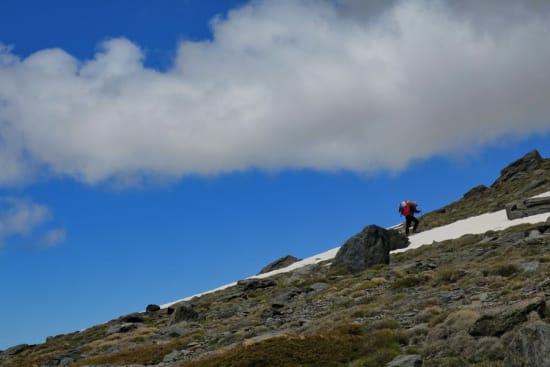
x=341 y=346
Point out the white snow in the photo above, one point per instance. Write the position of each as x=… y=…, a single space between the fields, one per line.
x=474 y=225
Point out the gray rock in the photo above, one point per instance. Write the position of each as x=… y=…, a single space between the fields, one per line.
x=255 y=283
x=397 y=239
x=535 y=233
x=63 y=361
x=317 y=287
x=533 y=185
x=531 y=346
x=409 y=360
x=530 y=162
x=134 y=318
x=367 y=248
x=279 y=264
x=121 y=328
x=283 y=299
x=506 y=318
x=177 y=330
x=527 y=207
x=152 y=308
x=183 y=313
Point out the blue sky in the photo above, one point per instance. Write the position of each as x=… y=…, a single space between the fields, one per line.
x=151 y=150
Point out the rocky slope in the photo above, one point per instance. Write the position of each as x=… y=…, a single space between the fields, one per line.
x=480 y=300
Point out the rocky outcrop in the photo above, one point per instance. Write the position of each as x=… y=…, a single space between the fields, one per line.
x=367 y=248
x=279 y=264
x=503 y=319
x=531 y=346
x=530 y=162
x=527 y=207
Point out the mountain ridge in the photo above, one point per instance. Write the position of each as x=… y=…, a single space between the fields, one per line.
x=439 y=305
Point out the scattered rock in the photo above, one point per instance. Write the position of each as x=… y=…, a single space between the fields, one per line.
x=369 y=247
x=62 y=361
x=279 y=264
x=531 y=346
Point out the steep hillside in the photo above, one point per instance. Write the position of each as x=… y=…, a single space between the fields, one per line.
x=528 y=176
x=480 y=300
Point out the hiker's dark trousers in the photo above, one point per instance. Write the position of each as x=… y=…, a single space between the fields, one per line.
x=408 y=220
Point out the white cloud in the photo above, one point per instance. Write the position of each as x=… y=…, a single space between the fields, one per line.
x=53 y=237
x=285 y=83
x=21 y=217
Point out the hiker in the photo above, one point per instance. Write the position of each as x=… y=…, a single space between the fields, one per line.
x=408 y=209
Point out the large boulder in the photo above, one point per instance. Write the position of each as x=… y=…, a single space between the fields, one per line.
x=530 y=162
x=369 y=247
x=531 y=346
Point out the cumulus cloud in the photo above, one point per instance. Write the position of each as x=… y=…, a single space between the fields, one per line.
x=350 y=84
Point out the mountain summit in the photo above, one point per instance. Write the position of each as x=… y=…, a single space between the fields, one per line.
x=471 y=289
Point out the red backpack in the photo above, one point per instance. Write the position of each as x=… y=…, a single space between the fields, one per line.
x=407 y=209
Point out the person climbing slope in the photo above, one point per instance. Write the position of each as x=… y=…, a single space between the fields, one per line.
x=408 y=209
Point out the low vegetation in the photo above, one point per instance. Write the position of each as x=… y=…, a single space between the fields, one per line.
x=424 y=302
